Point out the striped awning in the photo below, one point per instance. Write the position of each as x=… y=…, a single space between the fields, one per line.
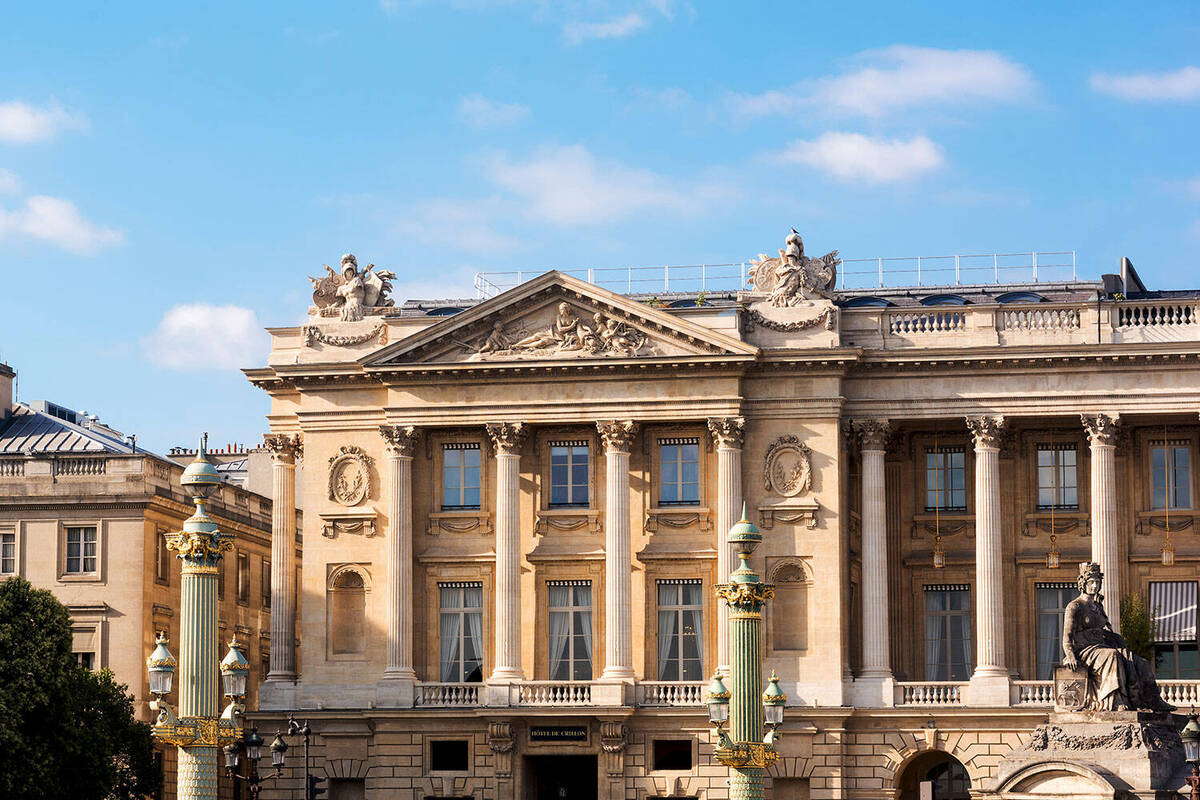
x=1174 y=606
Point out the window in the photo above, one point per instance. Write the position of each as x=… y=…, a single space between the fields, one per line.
x=460 y=475
x=460 y=632
x=449 y=755
x=679 y=468
x=680 y=628
x=1170 y=475
x=948 y=633
x=162 y=558
x=86 y=660
x=789 y=609
x=1173 y=604
x=570 y=604
x=347 y=614
x=569 y=474
x=243 y=578
x=266 y=583
x=1052 y=599
x=945 y=479
x=347 y=788
x=264 y=665
x=672 y=754
x=81 y=550
x=8 y=553
x=1058 y=482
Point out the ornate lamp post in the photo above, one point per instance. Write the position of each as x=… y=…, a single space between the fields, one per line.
x=745 y=749
x=1191 y=753
x=200 y=729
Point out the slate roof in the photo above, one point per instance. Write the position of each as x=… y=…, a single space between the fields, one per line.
x=30 y=431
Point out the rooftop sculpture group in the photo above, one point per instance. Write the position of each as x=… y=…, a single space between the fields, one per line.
x=793 y=278
x=351 y=294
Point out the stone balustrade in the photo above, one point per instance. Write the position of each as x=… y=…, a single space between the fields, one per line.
x=554 y=693
x=1181 y=694
x=448 y=694
x=1033 y=693
x=930 y=693
x=669 y=693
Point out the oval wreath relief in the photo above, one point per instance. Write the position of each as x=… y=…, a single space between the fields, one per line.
x=788 y=467
x=350 y=476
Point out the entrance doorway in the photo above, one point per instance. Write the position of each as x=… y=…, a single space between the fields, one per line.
x=561 y=777
x=934 y=776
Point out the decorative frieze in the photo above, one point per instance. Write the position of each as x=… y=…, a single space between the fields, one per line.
x=507 y=437
x=617 y=435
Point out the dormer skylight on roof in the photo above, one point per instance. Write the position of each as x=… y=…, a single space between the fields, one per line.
x=944 y=300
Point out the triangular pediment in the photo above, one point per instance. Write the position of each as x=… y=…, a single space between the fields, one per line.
x=556 y=318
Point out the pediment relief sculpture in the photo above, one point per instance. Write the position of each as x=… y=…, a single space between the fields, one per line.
x=351 y=294
x=350 y=476
x=566 y=335
x=794 y=279
x=787 y=467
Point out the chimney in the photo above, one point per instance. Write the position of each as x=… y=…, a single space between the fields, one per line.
x=7 y=376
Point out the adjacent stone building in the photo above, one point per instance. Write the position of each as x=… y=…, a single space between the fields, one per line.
x=516 y=511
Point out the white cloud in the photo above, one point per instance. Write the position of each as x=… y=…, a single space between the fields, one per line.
x=616 y=28
x=855 y=158
x=897 y=78
x=21 y=123
x=196 y=336
x=485 y=113
x=58 y=222
x=570 y=186
x=458 y=225
x=9 y=182
x=1182 y=85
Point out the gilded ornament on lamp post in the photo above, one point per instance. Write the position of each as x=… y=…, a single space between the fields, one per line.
x=200 y=729
x=748 y=748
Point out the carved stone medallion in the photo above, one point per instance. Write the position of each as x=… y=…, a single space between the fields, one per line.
x=787 y=468
x=350 y=476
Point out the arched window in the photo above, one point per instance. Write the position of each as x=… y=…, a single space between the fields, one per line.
x=867 y=301
x=1020 y=297
x=789 y=610
x=347 y=613
x=944 y=300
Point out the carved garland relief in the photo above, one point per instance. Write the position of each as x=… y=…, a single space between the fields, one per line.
x=567 y=335
x=350 y=476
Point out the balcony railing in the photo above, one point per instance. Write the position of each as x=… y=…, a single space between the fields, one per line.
x=448 y=694
x=1183 y=694
x=554 y=693
x=668 y=693
x=929 y=693
x=10 y=468
x=1033 y=693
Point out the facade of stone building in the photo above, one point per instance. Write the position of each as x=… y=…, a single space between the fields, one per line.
x=516 y=511
x=85 y=514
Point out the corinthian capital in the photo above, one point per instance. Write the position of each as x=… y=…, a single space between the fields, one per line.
x=872 y=433
x=987 y=431
x=284 y=448
x=727 y=432
x=507 y=437
x=400 y=440
x=1101 y=429
x=617 y=434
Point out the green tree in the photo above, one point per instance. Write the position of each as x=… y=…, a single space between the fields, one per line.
x=65 y=731
x=1138 y=626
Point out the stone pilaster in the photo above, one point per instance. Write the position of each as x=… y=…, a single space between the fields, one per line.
x=618 y=438
x=727 y=433
x=507 y=439
x=399 y=676
x=284 y=450
x=1102 y=430
x=876 y=666
x=989 y=683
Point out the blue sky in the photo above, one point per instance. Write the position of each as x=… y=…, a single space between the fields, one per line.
x=169 y=176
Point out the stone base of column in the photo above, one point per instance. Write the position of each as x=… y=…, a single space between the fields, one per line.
x=396 y=690
x=988 y=688
x=278 y=694
x=617 y=674
x=873 y=691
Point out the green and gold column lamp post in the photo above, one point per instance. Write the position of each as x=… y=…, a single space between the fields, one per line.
x=748 y=748
x=200 y=729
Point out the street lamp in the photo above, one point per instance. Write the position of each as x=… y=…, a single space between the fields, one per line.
x=1191 y=753
x=748 y=748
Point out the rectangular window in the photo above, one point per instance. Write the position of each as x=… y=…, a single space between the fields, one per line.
x=672 y=754
x=1058 y=484
x=569 y=474
x=1170 y=474
x=243 y=578
x=460 y=475
x=86 y=660
x=266 y=583
x=8 y=553
x=680 y=630
x=948 y=645
x=679 y=468
x=162 y=559
x=945 y=479
x=81 y=550
x=460 y=632
x=450 y=755
x=1173 y=604
x=570 y=605
x=1052 y=599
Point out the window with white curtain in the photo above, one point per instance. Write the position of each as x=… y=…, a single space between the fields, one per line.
x=8 y=553
x=81 y=550
x=570 y=606
x=948 y=646
x=460 y=632
x=1174 y=606
x=680 y=630
x=1052 y=600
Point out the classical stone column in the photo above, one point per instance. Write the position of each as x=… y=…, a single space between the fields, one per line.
x=618 y=437
x=1102 y=438
x=989 y=683
x=508 y=438
x=873 y=434
x=400 y=441
x=284 y=450
x=727 y=433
